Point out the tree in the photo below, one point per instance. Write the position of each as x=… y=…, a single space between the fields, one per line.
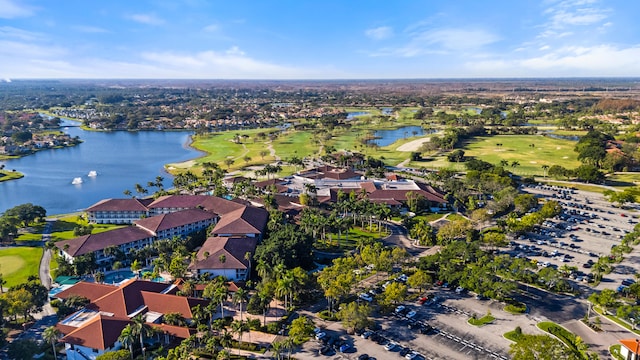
x=127 y=338
x=51 y=335
x=229 y=162
x=456 y=156
x=300 y=329
x=237 y=326
x=141 y=329
x=115 y=355
x=394 y=293
x=544 y=170
x=239 y=297
x=354 y=316
x=419 y=280
x=589 y=174
x=621 y=197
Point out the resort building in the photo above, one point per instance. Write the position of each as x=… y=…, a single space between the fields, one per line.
x=630 y=349
x=225 y=256
x=95 y=329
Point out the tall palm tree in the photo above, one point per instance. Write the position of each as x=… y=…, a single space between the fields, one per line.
x=127 y=338
x=141 y=329
x=223 y=260
x=51 y=335
x=239 y=297
x=544 y=170
x=238 y=328
x=220 y=295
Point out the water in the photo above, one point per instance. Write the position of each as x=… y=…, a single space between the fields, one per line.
x=388 y=137
x=121 y=160
x=351 y=115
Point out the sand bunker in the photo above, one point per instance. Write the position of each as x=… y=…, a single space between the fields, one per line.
x=413 y=145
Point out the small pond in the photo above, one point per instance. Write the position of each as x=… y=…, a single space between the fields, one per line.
x=388 y=137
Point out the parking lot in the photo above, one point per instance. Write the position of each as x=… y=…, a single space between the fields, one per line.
x=588 y=228
x=438 y=330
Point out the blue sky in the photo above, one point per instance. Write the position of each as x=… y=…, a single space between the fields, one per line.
x=328 y=39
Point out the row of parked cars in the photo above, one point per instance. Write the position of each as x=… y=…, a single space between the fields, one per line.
x=390 y=345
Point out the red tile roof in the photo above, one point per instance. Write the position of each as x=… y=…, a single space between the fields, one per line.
x=177 y=331
x=632 y=344
x=126 y=298
x=91 y=291
x=99 y=333
x=172 y=220
x=234 y=250
x=245 y=220
x=178 y=201
x=118 y=205
x=163 y=303
x=94 y=242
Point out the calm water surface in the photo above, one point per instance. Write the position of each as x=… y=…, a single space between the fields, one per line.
x=120 y=158
x=388 y=137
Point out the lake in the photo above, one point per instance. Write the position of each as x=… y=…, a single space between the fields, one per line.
x=388 y=137
x=120 y=158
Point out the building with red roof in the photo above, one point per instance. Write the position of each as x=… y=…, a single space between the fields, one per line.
x=630 y=349
x=95 y=329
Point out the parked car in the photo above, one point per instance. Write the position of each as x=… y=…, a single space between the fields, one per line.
x=321 y=335
x=411 y=314
x=366 y=297
x=390 y=346
x=412 y=355
x=400 y=309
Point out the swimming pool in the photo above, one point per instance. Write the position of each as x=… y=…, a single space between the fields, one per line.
x=118 y=276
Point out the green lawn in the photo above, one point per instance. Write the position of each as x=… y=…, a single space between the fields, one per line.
x=295 y=143
x=545 y=151
x=487 y=319
x=63 y=229
x=18 y=263
x=623 y=180
x=6 y=175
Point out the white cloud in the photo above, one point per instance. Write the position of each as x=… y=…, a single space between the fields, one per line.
x=600 y=60
x=89 y=29
x=10 y=9
x=544 y=47
x=231 y=63
x=439 y=42
x=457 y=39
x=147 y=19
x=211 y=28
x=9 y=32
x=572 y=14
x=379 y=33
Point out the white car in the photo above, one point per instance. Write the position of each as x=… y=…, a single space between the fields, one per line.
x=390 y=346
x=400 y=308
x=366 y=297
x=321 y=335
x=412 y=355
x=411 y=314
x=459 y=289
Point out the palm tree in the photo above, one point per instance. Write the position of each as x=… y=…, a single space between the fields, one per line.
x=51 y=335
x=238 y=328
x=544 y=170
x=239 y=297
x=141 y=329
x=98 y=277
x=127 y=338
x=277 y=347
x=223 y=259
x=220 y=295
